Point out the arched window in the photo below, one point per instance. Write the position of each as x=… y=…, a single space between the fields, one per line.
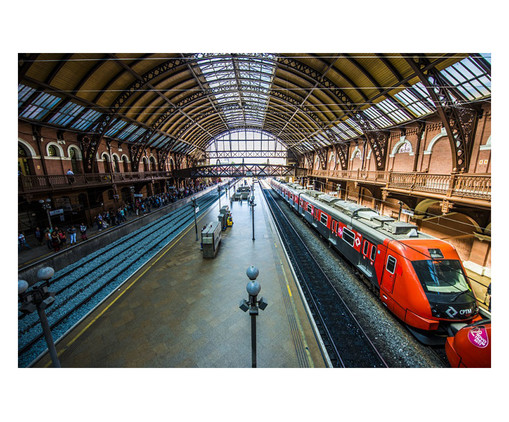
x=73 y=153
x=332 y=161
x=126 y=164
x=405 y=148
x=106 y=161
x=153 y=164
x=52 y=151
x=23 y=167
x=116 y=165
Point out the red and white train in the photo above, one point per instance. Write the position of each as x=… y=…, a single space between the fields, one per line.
x=418 y=277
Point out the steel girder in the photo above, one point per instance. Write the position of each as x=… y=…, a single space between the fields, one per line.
x=377 y=139
x=240 y=170
x=458 y=119
x=246 y=154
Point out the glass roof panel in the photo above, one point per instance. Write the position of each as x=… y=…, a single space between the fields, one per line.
x=350 y=122
x=487 y=57
x=390 y=109
x=118 y=125
x=469 y=78
x=136 y=135
x=85 y=121
x=24 y=92
x=410 y=100
x=377 y=117
x=125 y=133
x=40 y=106
x=251 y=78
x=66 y=114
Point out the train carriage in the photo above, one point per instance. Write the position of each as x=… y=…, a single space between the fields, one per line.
x=418 y=277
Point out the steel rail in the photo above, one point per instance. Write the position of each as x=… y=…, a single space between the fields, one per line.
x=31 y=343
x=347 y=343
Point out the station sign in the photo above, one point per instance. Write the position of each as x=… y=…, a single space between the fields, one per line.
x=56 y=212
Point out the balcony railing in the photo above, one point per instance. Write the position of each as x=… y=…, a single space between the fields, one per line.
x=476 y=186
x=57 y=182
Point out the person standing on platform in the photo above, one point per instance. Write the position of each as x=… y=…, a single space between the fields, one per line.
x=22 y=243
x=72 y=235
x=83 y=231
x=38 y=235
x=99 y=219
x=47 y=236
x=62 y=237
x=55 y=241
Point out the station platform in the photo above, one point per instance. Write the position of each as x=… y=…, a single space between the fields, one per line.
x=182 y=311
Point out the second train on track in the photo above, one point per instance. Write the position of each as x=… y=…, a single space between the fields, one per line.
x=418 y=277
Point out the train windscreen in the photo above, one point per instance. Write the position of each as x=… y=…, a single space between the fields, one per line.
x=444 y=276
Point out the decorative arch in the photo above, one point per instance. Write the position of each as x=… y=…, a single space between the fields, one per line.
x=125 y=162
x=115 y=159
x=402 y=141
x=441 y=135
x=152 y=163
x=28 y=148
x=144 y=161
x=357 y=153
x=106 y=159
x=332 y=161
x=75 y=156
x=422 y=207
x=77 y=152
x=58 y=148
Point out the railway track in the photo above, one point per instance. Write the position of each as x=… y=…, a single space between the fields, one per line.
x=347 y=344
x=82 y=286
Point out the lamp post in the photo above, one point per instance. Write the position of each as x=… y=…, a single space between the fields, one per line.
x=252 y=205
x=39 y=298
x=400 y=203
x=46 y=205
x=219 y=195
x=253 y=288
x=195 y=224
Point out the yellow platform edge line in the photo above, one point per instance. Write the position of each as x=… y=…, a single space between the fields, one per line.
x=125 y=290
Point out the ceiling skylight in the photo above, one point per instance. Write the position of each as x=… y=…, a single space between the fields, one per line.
x=240 y=84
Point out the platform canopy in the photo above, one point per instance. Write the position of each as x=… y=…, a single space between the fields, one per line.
x=184 y=102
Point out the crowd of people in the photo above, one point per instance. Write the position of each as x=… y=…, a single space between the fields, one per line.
x=57 y=238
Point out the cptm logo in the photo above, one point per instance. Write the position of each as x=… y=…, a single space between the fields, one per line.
x=451 y=312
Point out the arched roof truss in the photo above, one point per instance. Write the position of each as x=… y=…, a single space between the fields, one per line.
x=183 y=102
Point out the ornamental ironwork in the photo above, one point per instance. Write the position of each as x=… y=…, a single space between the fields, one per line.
x=241 y=170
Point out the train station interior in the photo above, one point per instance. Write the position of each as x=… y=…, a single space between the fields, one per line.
x=182 y=219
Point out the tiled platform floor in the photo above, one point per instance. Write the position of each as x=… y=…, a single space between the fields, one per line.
x=183 y=311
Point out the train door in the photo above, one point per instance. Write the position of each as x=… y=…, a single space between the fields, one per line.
x=364 y=262
x=332 y=234
x=379 y=261
x=389 y=275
